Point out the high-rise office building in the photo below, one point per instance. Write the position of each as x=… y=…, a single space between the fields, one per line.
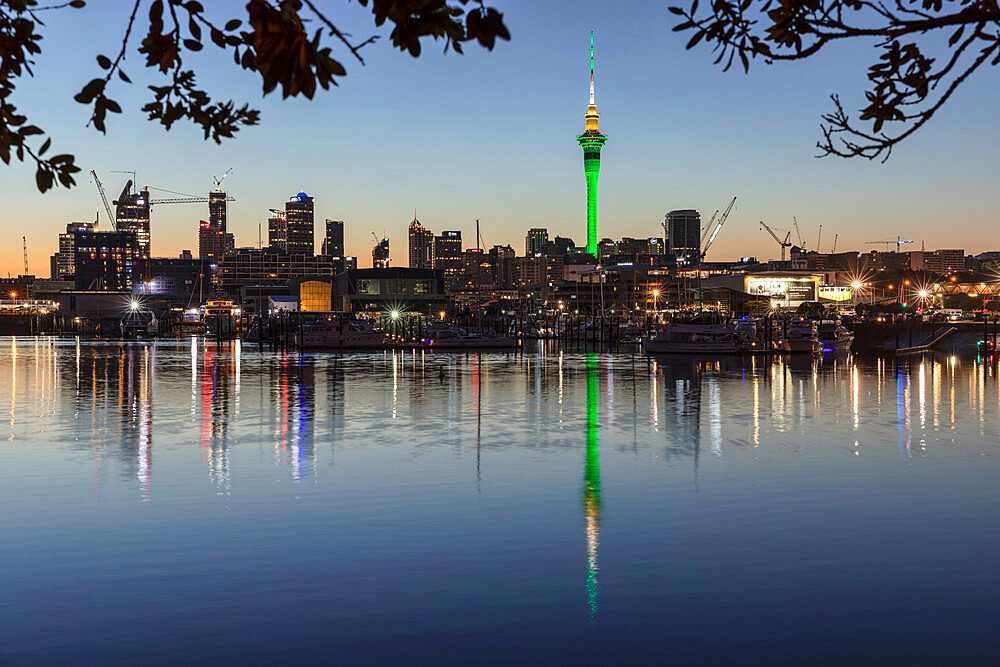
x=380 y=254
x=300 y=225
x=333 y=241
x=535 y=240
x=66 y=257
x=132 y=215
x=421 y=246
x=217 y=209
x=684 y=234
x=277 y=230
x=106 y=260
x=591 y=141
x=448 y=257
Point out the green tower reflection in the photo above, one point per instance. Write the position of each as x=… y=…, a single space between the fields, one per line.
x=592 y=485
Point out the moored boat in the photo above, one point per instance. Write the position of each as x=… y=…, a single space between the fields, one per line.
x=340 y=333
x=696 y=338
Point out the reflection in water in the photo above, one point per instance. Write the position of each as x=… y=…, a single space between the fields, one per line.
x=592 y=484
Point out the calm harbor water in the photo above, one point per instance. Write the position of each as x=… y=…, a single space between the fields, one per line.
x=182 y=501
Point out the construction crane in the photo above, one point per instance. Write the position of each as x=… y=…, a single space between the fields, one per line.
x=124 y=171
x=104 y=198
x=705 y=231
x=783 y=243
x=186 y=199
x=802 y=244
x=716 y=229
x=835 y=237
x=819 y=237
x=218 y=179
x=24 y=242
x=375 y=236
x=898 y=241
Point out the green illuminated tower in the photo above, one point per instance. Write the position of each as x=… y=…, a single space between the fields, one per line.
x=591 y=141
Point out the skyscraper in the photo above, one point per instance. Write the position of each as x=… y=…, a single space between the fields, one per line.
x=380 y=254
x=66 y=257
x=333 y=242
x=535 y=240
x=132 y=215
x=684 y=234
x=591 y=141
x=300 y=225
x=421 y=246
x=277 y=230
x=217 y=210
x=448 y=256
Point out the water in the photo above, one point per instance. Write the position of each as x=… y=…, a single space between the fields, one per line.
x=178 y=501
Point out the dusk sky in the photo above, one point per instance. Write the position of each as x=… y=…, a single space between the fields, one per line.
x=491 y=135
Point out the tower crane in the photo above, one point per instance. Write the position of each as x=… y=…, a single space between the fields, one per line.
x=898 y=241
x=218 y=179
x=377 y=239
x=819 y=237
x=783 y=243
x=718 y=227
x=186 y=199
x=802 y=243
x=835 y=237
x=24 y=242
x=104 y=198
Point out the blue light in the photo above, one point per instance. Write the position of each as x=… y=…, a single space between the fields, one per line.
x=302 y=196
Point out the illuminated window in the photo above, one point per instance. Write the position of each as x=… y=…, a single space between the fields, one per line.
x=315 y=295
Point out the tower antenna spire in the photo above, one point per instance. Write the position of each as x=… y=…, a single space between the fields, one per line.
x=592 y=68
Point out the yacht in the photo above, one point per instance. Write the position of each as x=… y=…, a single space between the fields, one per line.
x=834 y=336
x=340 y=333
x=697 y=338
x=803 y=337
x=460 y=338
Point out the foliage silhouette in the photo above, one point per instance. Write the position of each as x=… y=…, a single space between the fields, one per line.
x=270 y=38
x=907 y=85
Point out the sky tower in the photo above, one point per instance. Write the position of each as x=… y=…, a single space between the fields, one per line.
x=591 y=141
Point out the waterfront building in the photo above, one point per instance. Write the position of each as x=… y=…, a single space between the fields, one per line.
x=535 y=241
x=421 y=246
x=380 y=254
x=380 y=292
x=300 y=225
x=268 y=266
x=591 y=141
x=178 y=280
x=683 y=235
x=132 y=215
x=105 y=260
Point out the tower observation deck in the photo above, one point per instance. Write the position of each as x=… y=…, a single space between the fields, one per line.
x=591 y=141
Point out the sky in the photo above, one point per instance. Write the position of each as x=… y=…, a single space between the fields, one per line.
x=492 y=136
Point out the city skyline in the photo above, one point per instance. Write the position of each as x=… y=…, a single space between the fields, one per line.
x=687 y=137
